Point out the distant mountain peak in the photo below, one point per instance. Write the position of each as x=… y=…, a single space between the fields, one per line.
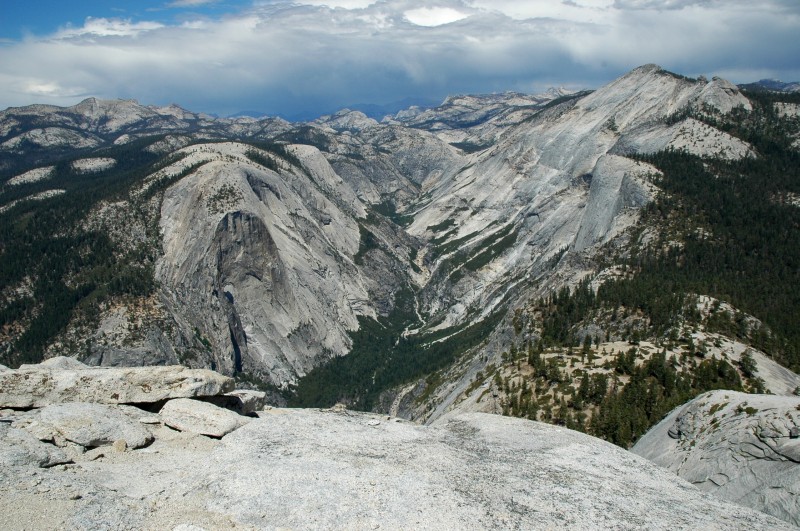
x=772 y=85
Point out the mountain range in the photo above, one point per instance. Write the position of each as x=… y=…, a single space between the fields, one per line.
x=591 y=259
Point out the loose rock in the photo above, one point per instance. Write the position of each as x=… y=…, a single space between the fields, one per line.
x=241 y=401
x=91 y=425
x=19 y=448
x=201 y=417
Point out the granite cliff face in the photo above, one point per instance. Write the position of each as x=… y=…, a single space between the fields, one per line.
x=262 y=249
x=262 y=261
x=560 y=179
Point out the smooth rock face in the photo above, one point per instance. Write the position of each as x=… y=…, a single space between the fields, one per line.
x=557 y=181
x=39 y=387
x=261 y=261
x=736 y=446
x=201 y=417
x=301 y=469
x=91 y=425
x=267 y=266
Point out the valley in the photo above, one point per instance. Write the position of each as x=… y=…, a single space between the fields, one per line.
x=406 y=262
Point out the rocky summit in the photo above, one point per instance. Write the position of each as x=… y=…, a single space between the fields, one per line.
x=82 y=465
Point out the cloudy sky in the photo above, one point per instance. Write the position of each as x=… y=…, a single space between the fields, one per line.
x=308 y=57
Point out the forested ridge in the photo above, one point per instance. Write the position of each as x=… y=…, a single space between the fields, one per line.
x=726 y=229
x=60 y=268
x=68 y=267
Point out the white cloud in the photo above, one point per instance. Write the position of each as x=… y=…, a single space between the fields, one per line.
x=658 y=4
x=343 y=4
x=108 y=27
x=281 y=56
x=434 y=16
x=574 y=11
x=49 y=89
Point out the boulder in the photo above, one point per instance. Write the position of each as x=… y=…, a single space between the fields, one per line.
x=241 y=401
x=4 y=368
x=20 y=448
x=200 y=417
x=41 y=386
x=736 y=446
x=91 y=425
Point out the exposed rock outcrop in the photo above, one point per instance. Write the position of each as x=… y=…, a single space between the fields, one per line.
x=742 y=448
x=41 y=386
x=58 y=362
x=242 y=401
x=345 y=470
x=20 y=448
x=272 y=254
x=78 y=465
x=82 y=410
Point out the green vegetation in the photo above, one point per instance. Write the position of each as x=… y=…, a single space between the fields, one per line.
x=367 y=243
x=440 y=227
x=271 y=160
x=389 y=211
x=723 y=231
x=619 y=405
x=307 y=135
x=71 y=269
x=655 y=389
x=382 y=358
x=449 y=247
x=475 y=258
x=727 y=229
x=500 y=242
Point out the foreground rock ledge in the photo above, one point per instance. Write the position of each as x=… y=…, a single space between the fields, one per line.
x=310 y=469
x=38 y=386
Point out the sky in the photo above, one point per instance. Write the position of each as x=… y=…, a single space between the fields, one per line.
x=304 y=58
